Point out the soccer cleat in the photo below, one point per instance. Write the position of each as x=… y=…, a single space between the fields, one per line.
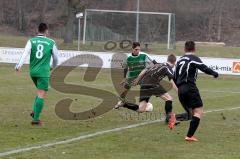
x=172 y=121
x=191 y=138
x=37 y=123
x=32 y=114
x=120 y=103
x=177 y=122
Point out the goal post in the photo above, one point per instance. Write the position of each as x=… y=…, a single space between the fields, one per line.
x=117 y=25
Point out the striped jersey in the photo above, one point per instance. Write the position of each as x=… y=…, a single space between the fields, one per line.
x=157 y=72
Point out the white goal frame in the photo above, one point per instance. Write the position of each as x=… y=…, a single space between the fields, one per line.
x=133 y=12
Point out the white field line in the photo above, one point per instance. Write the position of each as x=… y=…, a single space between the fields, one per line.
x=212 y=91
x=21 y=150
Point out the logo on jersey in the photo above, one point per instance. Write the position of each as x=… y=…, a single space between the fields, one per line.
x=236 y=67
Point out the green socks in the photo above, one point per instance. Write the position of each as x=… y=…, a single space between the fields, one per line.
x=33 y=107
x=38 y=106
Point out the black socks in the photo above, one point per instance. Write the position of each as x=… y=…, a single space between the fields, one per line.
x=131 y=106
x=193 y=126
x=168 y=107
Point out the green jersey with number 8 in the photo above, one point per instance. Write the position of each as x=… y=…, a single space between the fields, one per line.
x=40 y=56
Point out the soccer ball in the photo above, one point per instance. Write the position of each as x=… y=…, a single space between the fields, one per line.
x=149 y=107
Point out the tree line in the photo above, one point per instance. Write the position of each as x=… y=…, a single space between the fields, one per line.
x=205 y=20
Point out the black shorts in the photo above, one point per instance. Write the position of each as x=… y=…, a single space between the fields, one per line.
x=189 y=96
x=146 y=91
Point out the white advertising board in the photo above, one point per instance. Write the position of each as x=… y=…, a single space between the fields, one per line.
x=227 y=66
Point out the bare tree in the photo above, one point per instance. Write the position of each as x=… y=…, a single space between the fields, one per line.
x=43 y=10
x=2 y=12
x=73 y=7
x=20 y=15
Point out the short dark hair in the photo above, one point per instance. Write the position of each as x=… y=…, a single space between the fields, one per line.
x=171 y=58
x=135 y=44
x=189 y=46
x=42 y=27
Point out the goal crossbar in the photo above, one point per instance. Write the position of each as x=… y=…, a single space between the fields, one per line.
x=122 y=11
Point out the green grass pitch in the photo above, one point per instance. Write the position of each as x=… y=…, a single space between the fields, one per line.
x=218 y=131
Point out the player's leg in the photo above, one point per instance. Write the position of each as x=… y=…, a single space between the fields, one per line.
x=33 y=107
x=139 y=108
x=168 y=101
x=143 y=106
x=41 y=95
x=170 y=116
x=126 y=88
x=121 y=99
x=194 y=102
x=197 y=114
x=130 y=106
x=187 y=115
x=42 y=86
x=34 y=79
x=183 y=116
x=188 y=112
x=124 y=93
x=143 y=100
x=168 y=104
x=145 y=95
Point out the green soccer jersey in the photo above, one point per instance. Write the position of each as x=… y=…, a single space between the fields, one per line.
x=41 y=49
x=136 y=64
x=40 y=56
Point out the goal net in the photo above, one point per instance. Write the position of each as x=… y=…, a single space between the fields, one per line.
x=155 y=29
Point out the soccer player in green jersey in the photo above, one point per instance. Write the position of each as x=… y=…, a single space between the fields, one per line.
x=152 y=84
x=41 y=49
x=135 y=63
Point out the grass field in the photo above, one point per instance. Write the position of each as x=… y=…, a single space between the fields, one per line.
x=218 y=132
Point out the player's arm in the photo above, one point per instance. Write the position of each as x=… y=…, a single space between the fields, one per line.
x=149 y=64
x=149 y=61
x=204 y=68
x=27 y=51
x=125 y=68
x=54 y=56
x=125 y=71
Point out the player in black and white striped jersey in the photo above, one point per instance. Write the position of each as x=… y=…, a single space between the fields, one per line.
x=185 y=77
x=150 y=80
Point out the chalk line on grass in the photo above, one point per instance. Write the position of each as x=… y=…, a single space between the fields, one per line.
x=21 y=150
